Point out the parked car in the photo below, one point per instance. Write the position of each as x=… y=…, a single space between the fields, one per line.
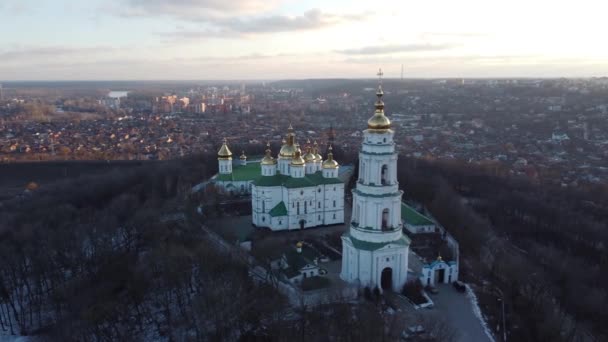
x=458 y=285
x=432 y=289
x=412 y=331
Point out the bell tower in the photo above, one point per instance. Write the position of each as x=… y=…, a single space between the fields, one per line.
x=374 y=250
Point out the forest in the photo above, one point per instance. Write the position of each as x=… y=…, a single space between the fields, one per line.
x=118 y=256
x=542 y=247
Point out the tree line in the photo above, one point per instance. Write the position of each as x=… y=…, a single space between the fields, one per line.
x=542 y=246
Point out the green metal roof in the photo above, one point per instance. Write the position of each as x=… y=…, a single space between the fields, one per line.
x=279 y=210
x=410 y=216
x=297 y=261
x=241 y=173
x=392 y=194
x=291 y=182
x=372 y=246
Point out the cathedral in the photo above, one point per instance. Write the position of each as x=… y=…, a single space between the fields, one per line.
x=296 y=191
x=374 y=249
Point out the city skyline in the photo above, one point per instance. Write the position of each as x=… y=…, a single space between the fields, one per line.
x=255 y=39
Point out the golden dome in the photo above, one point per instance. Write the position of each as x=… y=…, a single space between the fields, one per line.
x=379 y=121
x=224 y=152
x=297 y=158
x=268 y=160
x=330 y=163
x=309 y=157
x=288 y=150
x=299 y=244
x=243 y=156
x=315 y=151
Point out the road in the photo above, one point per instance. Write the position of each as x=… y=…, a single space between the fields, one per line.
x=451 y=307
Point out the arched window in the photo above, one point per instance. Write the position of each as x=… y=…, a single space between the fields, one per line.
x=305 y=207
x=385 y=219
x=263 y=206
x=298 y=208
x=362 y=172
x=384 y=174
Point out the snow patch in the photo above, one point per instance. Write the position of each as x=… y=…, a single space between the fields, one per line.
x=477 y=312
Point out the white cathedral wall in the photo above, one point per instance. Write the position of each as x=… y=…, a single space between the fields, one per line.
x=263 y=199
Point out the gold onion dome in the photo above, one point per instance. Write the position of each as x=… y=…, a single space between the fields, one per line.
x=268 y=160
x=297 y=158
x=309 y=157
x=330 y=163
x=315 y=151
x=379 y=121
x=224 y=152
x=243 y=156
x=288 y=149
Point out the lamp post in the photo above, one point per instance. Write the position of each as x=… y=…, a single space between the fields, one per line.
x=502 y=301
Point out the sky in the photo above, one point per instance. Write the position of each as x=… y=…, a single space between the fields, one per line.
x=296 y=39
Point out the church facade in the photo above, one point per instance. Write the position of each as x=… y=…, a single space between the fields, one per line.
x=375 y=250
x=296 y=191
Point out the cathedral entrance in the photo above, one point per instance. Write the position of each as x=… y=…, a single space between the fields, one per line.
x=386 y=279
x=302 y=223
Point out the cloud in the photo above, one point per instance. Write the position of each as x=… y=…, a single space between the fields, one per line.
x=395 y=48
x=194 y=9
x=19 y=54
x=236 y=27
x=310 y=20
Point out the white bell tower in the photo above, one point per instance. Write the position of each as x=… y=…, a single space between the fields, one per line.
x=374 y=250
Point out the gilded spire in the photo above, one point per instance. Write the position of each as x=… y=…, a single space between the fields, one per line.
x=224 y=152
x=330 y=163
x=379 y=122
x=318 y=157
x=243 y=156
x=379 y=92
x=268 y=159
x=297 y=158
x=309 y=157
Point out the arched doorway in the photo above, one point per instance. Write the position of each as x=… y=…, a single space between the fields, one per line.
x=302 y=224
x=386 y=279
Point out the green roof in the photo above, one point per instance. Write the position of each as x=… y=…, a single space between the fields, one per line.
x=241 y=173
x=360 y=193
x=410 y=216
x=297 y=260
x=372 y=246
x=278 y=210
x=291 y=182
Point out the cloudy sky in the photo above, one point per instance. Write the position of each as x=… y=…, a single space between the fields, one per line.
x=277 y=39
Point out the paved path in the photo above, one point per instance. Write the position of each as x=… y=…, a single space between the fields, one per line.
x=456 y=308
